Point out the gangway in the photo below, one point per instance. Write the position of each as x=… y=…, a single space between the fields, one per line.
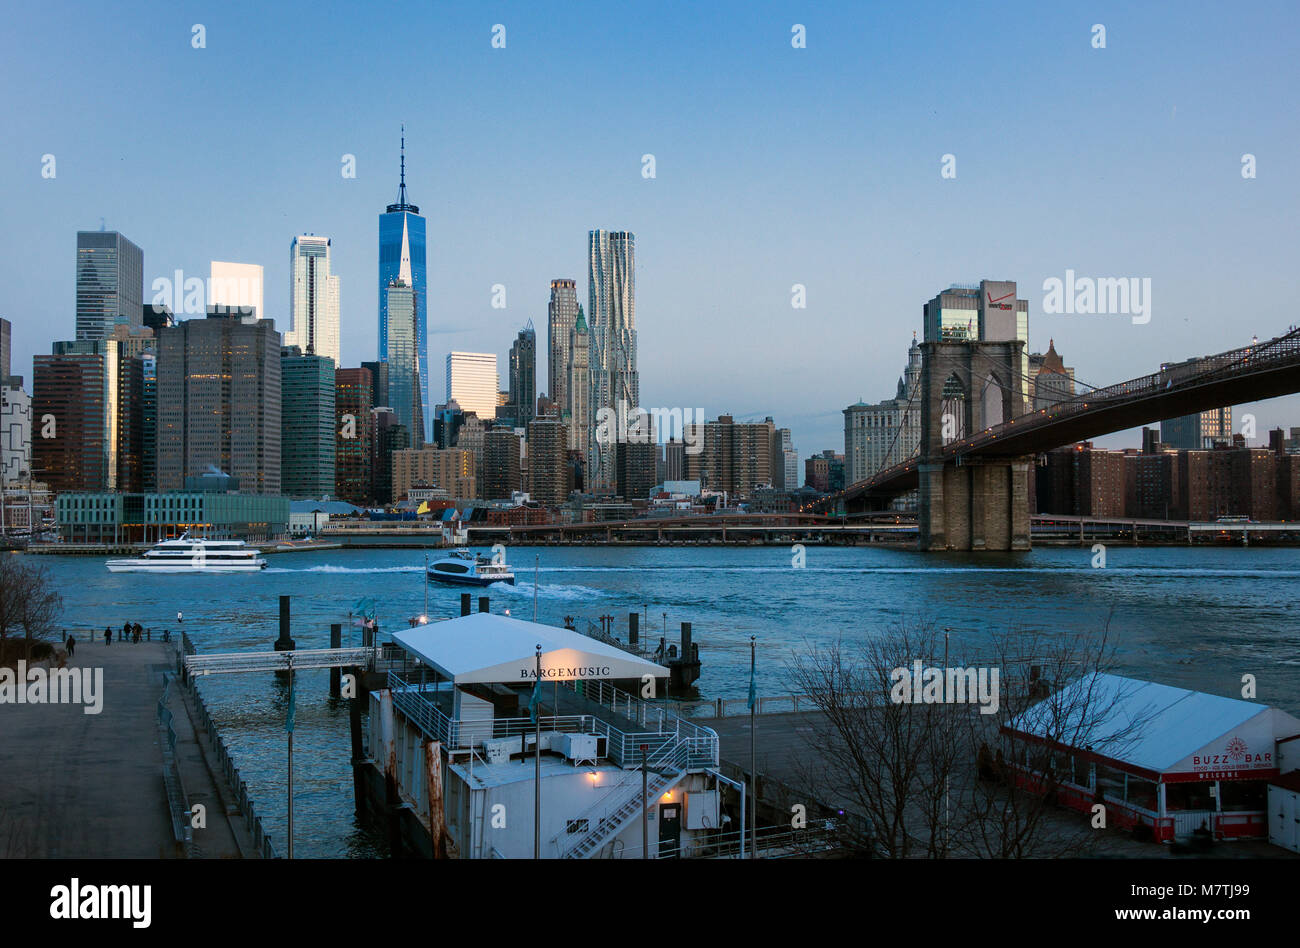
x=222 y=663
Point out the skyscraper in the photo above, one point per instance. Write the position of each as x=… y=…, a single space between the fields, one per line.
x=403 y=320
x=15 y=434
x=77 y=389
x=307 y=435
x=355 y=430
x=401 y=257
x=313 y=298
x=578 y=386
x=785 y=461
x=735 y=457
x=499 y=474
x=988 y=311
x=561 y=314
x=1050 y=379
x=611 y=298
x=886 y=433
x=548 y=471
x=389 y=436
x=219 y=402
x=6 y=329
x=137 y=406
x=523 y=375
x=237 y=285
x=378 y=383
x=110 y=282
x=473 y=382
x=1198 y=432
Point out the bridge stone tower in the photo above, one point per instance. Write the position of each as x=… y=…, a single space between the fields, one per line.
x=969 y=503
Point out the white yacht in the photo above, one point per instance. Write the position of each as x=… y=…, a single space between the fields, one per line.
x=463 y=568
x=193 y=556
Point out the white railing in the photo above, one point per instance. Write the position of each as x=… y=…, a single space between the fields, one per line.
x=664 y=730
x=662 y=727
x=614 y=810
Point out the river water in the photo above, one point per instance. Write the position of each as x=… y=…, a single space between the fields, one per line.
x=1195 y=617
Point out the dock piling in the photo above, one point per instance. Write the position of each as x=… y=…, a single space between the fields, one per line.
x=284 y=643
x=336 y=673
x=465 y=604
x=358 y=758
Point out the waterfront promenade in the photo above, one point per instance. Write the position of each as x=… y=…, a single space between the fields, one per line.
x=90 y=786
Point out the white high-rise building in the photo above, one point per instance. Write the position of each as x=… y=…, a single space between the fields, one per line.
x=611 y=318
x=313 y=298
x=15 y=433
x=236 y=285
x=473 y=382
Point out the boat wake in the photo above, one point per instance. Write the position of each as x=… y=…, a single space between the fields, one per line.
x=414 y=568
x=524 y=590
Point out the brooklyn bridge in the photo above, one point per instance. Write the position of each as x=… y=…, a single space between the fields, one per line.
x=976 y=445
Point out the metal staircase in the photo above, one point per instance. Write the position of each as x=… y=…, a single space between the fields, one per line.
x=609 y=815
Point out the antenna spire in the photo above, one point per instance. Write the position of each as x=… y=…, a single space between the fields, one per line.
x=401 y=194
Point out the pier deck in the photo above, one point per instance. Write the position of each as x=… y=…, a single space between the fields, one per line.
x=90 y=786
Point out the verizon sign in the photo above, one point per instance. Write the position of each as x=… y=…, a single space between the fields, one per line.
x=998 y=310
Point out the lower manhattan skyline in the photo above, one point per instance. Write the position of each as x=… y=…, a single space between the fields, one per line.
x=729 y=224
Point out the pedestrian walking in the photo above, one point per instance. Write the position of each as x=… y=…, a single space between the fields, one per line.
x=139 y=631
x=72 y=646
x=108 y=636
x=126 y=632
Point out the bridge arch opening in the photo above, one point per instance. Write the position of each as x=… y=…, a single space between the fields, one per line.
x=993 y=401
x=953 y=410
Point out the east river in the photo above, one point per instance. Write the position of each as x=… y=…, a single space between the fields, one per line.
x=1195 y=617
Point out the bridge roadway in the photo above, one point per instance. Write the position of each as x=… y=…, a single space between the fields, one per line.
x=1252 y=373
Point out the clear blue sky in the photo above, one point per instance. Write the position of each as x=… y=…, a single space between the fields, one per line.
x=775 y=166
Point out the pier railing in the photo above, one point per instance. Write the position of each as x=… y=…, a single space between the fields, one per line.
x=261 y=839
x=818 y=838
x=177 y=802
x=660 y=734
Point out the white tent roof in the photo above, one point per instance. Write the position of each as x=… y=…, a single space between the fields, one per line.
x=483 y=647
x=1160 y=728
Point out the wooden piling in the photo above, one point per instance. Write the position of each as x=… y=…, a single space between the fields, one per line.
x=358 y=755
x=433 y=792
x=336 y=673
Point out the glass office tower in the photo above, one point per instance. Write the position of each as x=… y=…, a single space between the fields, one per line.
x=110 y=283
x=401 y=257
x=404 y=379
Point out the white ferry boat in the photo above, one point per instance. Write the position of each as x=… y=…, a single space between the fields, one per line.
x=193 y=556
x=464 y=568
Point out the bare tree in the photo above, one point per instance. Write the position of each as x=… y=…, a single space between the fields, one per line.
x=891 y=761
x=28 y=603
x=923 y=774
